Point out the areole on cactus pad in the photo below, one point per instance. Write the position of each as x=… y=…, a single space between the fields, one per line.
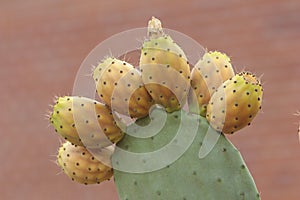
x=219 y=101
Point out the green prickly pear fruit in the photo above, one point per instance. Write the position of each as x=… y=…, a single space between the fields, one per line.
x=235 y=103
x=120 y=86
x=164 y=67
x=85 y=122
x=222 y=174
x=208 y=74
x=81 y=166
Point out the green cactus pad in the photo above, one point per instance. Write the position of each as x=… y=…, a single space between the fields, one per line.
x=222 y=174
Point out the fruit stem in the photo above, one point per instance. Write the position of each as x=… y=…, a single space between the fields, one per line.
x=154 y=28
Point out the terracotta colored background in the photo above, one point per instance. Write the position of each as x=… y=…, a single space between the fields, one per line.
x=42 y=44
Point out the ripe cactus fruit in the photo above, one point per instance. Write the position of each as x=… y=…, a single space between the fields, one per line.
x=208 y=74
x=165 y=70
x=85 y=122
x=81 y=166
x=235 y=104
x=222 y=174
x=120 y=86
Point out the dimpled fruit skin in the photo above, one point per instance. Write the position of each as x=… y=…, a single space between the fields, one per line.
x=78 y=164
x=94 y=121
x=165 y=72
x=208 y=74
x=222 y=174
x=120 y=86
x=235 y=104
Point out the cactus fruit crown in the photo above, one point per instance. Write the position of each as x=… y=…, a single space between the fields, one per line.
x=220 y=102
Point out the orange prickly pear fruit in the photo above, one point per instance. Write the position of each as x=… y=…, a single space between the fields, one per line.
x=235 y=103
x=208 y=74
x=120 y=86
x=85 y=122
x=81 y=166
x=164 y=67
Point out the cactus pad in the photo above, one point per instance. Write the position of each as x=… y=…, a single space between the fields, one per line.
x=222 y=174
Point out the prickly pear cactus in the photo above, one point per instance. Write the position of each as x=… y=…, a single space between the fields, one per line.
x=168 y=152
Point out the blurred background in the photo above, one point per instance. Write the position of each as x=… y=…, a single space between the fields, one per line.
x=42 y=44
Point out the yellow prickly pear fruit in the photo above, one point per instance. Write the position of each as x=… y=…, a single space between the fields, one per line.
x=85 y=122
x=120 y=86
x=81 y=166
x=164 y=67
x=208 y=74
x=235 y=103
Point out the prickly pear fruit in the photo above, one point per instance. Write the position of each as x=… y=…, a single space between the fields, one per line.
x=222 y=174
x=85 y=122
x=208 y=74
x=120 y=86
x=81 y=166
x=165 y=70
x=235 y=103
